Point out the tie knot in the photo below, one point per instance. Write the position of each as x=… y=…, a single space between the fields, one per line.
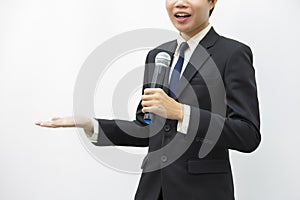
x=183 y=47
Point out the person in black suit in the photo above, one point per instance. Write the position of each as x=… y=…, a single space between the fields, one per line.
x=186 y=115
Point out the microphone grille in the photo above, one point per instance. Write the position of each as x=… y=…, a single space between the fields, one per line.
x=163 y=59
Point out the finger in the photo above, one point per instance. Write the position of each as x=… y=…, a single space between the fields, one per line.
x=39 y=123
x=154 y=109
x=65 y=122
x=65 y=125
x=47 y=124
x=55 y=123
x=148 y=97
x=148 y=103
x=152 y=90
x=147 y=110
x=156 y=95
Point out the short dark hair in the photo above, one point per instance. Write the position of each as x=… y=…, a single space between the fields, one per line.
x=210 y=12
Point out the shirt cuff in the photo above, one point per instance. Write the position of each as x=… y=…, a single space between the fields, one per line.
x=183 y=125
x=94 y=136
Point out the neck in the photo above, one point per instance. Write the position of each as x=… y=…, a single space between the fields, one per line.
x=188 y=35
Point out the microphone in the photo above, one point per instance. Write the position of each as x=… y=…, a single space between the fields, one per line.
x=162 y=63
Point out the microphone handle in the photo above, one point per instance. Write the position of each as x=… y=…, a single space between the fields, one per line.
x=162 y=62
x=148 y=117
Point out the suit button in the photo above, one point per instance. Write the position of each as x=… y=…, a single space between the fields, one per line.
x=164 y=158
x=198 y=139
x=167 y=128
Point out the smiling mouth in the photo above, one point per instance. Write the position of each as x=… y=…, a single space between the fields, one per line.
x=182 y=15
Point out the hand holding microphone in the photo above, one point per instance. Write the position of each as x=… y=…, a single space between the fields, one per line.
x=162 y=63
x=155 y=100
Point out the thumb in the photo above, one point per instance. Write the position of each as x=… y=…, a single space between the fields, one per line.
x=55 y=118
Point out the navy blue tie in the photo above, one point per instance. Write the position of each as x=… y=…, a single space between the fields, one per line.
x=177 y=70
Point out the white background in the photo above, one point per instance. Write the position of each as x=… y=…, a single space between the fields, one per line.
x=43 y=44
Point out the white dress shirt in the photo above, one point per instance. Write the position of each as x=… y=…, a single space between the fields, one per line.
x=193 y=42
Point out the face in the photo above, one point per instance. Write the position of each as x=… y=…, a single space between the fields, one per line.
x=189 y=16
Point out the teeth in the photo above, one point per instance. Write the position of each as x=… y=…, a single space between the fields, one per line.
x=182 y=15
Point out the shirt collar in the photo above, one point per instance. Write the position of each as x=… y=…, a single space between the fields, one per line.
x=195 y=40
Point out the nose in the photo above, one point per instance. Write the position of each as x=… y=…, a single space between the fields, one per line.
x=180 y=3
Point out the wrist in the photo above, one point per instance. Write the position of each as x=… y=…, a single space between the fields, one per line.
x=180 y=112
x=89 y=127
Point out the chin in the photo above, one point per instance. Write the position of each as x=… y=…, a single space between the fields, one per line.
x=181 y=28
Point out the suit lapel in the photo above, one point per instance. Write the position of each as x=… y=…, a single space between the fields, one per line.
x=170 y=48
x=197 y=60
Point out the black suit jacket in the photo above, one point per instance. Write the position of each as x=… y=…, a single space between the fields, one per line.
x=224 y=115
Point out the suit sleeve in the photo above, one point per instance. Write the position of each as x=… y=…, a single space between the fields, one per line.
x=122 y=132
x=239 y=128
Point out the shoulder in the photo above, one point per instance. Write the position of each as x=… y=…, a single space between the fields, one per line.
x=231 y=46
x=168 y=47
x=227 y=49
x=228 y=53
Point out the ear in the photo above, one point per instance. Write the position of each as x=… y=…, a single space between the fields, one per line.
x=213 y=3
